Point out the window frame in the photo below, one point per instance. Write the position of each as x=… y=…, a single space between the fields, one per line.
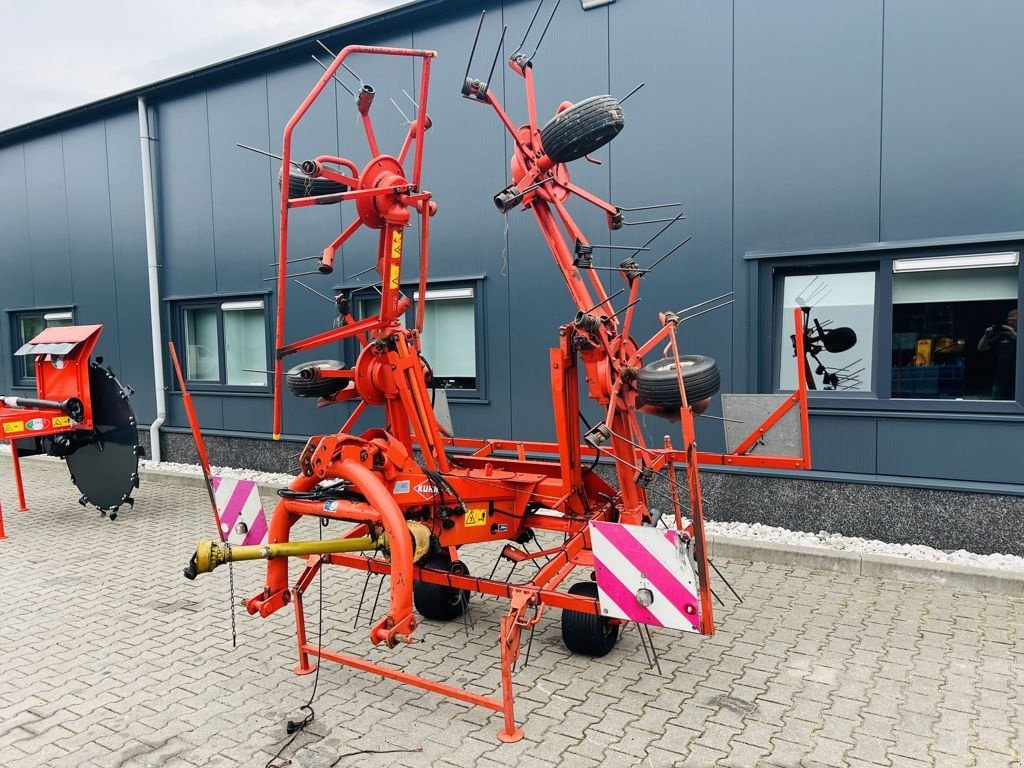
x=358 y=292
x=14 y=317
x=772 y=268
x=177 y=307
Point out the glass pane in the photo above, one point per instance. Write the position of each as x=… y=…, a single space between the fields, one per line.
x=245 y=347
x=449 y=341
x=841 y=312
x=954 y=334
x=29 y=326
x=58 y=322
x=202 y=349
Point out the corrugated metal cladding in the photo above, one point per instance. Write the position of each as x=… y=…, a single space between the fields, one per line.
x=782 y=126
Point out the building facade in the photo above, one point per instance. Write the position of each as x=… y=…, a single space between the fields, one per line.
x=861 y=158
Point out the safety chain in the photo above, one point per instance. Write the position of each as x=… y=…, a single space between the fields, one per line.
x=231 y=583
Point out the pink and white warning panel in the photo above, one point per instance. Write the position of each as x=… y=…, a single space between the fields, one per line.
x=646 y=575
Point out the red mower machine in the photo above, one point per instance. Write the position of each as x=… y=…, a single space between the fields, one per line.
x=421 y=496
x=80 y=413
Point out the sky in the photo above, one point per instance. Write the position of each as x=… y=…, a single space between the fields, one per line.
x=58 y=54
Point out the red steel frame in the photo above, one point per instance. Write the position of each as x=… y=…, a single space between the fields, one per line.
x=492 y=490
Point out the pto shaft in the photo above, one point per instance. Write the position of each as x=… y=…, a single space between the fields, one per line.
x=210 y=554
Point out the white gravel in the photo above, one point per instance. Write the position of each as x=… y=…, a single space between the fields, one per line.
x=747 y=531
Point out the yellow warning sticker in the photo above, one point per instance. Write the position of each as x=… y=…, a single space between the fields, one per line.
x=14 y=426
x=475 y=517
x=394 y=276
x=61 y=421
x=396 y=245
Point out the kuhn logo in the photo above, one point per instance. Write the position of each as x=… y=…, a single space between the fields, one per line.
x=426 y=489
x=37 y=425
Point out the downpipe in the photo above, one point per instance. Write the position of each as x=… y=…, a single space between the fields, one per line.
x=145 y=141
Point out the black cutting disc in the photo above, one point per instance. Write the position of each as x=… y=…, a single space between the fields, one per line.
x=106 y=465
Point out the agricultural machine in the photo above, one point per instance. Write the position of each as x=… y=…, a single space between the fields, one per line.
x=81 y=413
x=420 y=497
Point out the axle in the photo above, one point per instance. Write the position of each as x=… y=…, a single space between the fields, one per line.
x=210 y=555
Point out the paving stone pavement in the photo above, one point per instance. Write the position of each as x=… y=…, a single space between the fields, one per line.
x=108 y=657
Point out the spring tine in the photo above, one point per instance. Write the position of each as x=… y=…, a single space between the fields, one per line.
x=267 y=154
x=527 y=33
x=407 y=120
x=705 y=311
x=659 y=233
x=632 y=92
x=545 y=30
x=656 y=263
x=362 y=597
x=720 y=418
x=296 y=261
x=609 y=298
x=654 y=651
x=702 y=303
x=643 y=644
x=313 y=290
x=650 y=221
x=725 y=581
x=620 y=247
x=631 y=304
x=335 y=77
x=376 y=600
x=497 y=53
x=297 y=274
x=472 y=51
x=363 y=272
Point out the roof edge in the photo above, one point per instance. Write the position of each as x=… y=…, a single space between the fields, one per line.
x=410 y=9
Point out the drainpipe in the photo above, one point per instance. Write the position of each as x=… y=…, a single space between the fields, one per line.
x=154 y=281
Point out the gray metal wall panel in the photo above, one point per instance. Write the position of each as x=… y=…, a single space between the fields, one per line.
x=808 y=80
x=186 y=209
x=127 y=217
x=953 y=149
x=243 y=232
x=15 y=248
x=677 y=147
x=843 y=444
x=48 y=222
x=92 y=251
x=950 y=450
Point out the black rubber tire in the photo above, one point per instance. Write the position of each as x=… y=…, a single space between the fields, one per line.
x=587 y=633
x=315 y=387
x=300 y=184
x=437 y=601
x=658 y=385
x=582 y=128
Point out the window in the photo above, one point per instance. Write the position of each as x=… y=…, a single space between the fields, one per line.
x=28 y=325
x=225 y=342
x=450 y=342
x=954 y=327
x=839 y=309
x=903 y=326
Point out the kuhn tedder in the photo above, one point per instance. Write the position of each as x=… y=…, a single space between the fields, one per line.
x=80 y=413
x=419 y=495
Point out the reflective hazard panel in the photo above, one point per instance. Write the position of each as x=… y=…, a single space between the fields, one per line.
x=645 y=575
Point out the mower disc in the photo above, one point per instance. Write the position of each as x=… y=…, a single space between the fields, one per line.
x=105 y=466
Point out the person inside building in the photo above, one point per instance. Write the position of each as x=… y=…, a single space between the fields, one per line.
x=1002 y=339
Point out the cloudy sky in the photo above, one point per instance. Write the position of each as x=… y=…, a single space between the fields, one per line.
x=58 y=54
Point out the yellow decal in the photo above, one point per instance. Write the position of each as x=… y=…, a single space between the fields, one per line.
x=396 y=259
x=14 y=426
x=475 y=517
x=61 y=421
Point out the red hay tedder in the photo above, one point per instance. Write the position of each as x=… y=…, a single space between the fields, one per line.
x=420 y=495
